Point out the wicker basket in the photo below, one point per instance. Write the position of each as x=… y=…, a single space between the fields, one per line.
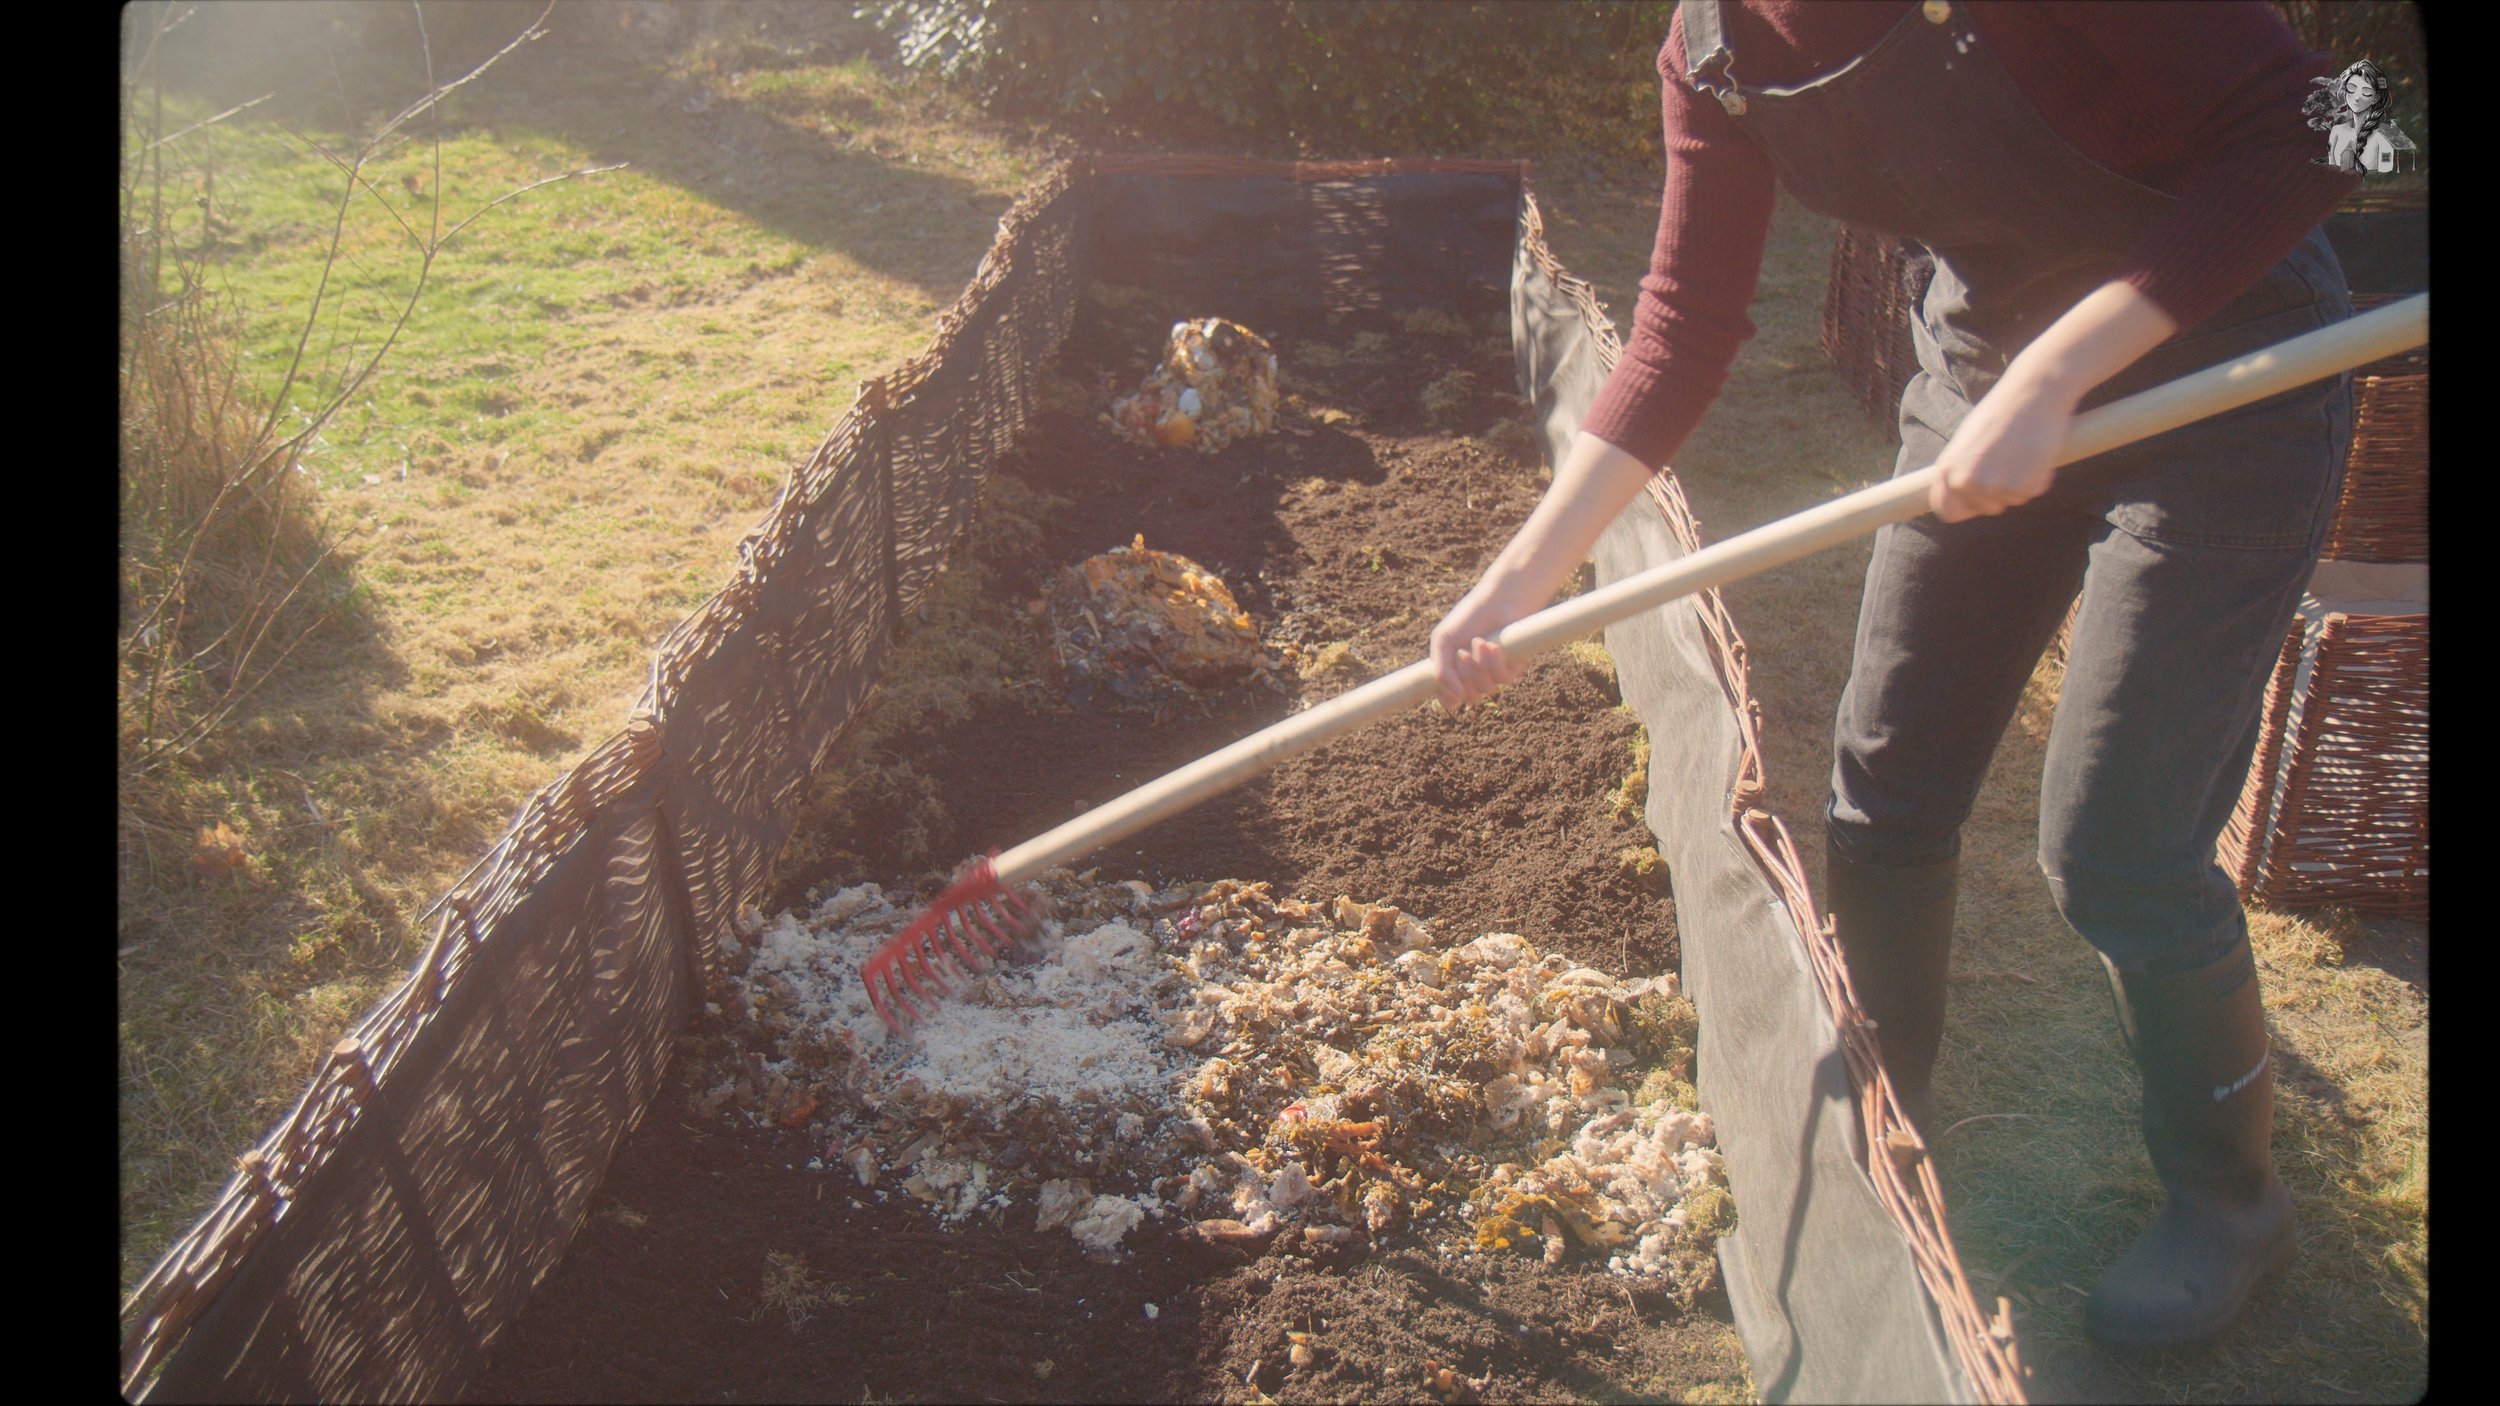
x=1875 y=286
x=2336 y=809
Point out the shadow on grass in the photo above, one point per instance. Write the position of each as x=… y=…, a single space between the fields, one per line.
x=228 y=979
x=794 y=161
x=2048 y=1183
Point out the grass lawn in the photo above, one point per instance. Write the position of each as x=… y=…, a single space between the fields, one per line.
x=603 y=387
x=601 y=390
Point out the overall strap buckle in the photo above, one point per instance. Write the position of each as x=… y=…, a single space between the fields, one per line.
x=1708 y=62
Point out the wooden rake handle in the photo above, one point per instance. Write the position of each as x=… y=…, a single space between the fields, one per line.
x=2312 y=357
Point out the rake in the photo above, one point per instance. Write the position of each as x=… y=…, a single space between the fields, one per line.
x=979 y=916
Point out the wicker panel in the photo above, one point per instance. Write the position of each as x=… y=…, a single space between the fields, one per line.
x=2384 y=514
x=2337 y=807
x=1876 y=284
x=409 y=1209
x=2410 y=196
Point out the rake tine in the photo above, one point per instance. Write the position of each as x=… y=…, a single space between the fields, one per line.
x=957 y=932
x=887 y=999
x=877 y=1003
x=967 y=959
x=914 y=1010
x=904 y=966
x=928 y=958
x=940 y=967
x=1019 y=915
x=1003 y=937
x=972 y=922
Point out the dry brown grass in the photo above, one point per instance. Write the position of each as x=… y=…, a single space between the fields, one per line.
x=792 y=1291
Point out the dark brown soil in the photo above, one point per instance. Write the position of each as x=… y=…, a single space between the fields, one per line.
x=662 y=1298
x=1359 y=531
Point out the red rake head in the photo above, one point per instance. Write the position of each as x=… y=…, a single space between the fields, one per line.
x=961 y=935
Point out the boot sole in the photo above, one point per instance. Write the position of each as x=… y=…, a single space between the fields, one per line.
x=2171 y=1337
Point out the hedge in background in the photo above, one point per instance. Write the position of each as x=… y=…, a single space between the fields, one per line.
x=1408 y=74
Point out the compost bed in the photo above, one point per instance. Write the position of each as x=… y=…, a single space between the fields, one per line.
x=1356 y=524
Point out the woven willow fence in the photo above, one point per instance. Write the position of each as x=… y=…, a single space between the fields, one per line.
x=361 y=1256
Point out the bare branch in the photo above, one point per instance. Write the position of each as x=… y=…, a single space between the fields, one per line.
x=524 y=190
x=206 y=121
x=355 y=173
x=537 y=29
x=167 y=21
x=245 y=680
x=429 y=248
x=312 y=316
x=425 y=46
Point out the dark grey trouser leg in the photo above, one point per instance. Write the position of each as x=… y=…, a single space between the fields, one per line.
x=1950 y=628
x=2156 y=720
x=1951 y=625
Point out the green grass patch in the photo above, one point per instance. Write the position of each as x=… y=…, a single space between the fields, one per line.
x=531 y=491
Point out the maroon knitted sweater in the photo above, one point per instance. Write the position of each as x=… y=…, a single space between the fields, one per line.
x=2199 y=101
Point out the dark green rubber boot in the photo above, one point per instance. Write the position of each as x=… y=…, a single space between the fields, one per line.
x=2226 y=1223
x=1896 y=933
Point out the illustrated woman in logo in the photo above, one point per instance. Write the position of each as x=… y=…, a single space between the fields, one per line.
x=2351 y=109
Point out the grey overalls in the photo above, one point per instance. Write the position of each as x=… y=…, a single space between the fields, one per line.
x=2191 y=549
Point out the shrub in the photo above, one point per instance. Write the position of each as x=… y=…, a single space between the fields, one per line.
x=225 y=563
x=1436 y=74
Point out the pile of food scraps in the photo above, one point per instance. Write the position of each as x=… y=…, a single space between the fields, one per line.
x=1216 y=384
x=1248 y=1068
x=1147 y=627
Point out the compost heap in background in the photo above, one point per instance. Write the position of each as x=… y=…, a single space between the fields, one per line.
x=1217 y=384
x=1246 y=1068
x=1148 y=627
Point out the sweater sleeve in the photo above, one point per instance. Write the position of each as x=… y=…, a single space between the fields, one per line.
x=1690 y=318
x=2241 y=76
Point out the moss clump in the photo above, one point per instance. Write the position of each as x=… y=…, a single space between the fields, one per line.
x=1632 y=797
x=1664 y=1027
x=1709 y=1212
x=1663 y=1086
x=1643 y=868
x=1447 y=399
x=1432 y=322
x=1500 y=1231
